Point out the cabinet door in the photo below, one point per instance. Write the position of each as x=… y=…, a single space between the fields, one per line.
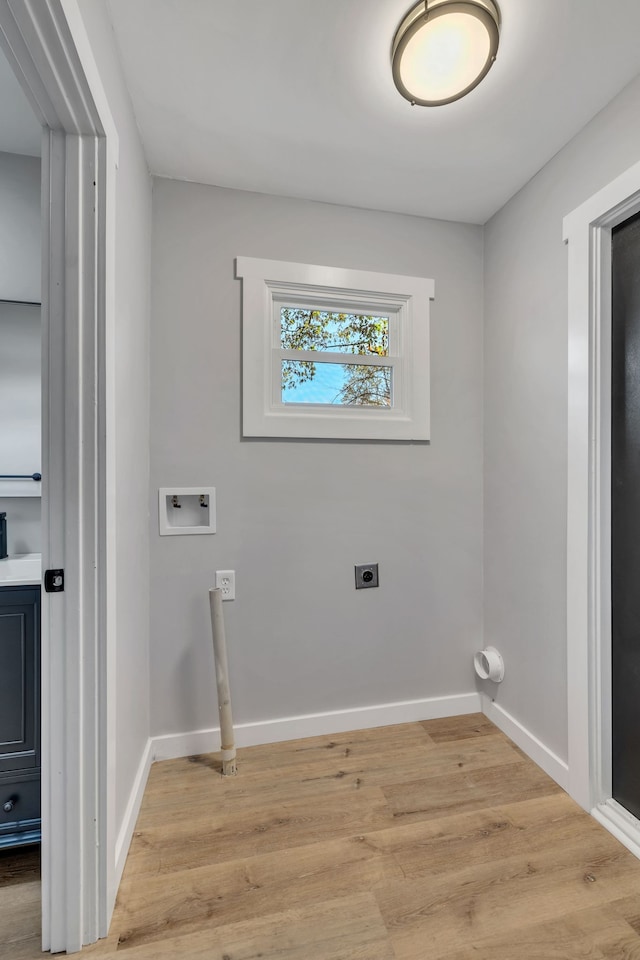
x=19 y=679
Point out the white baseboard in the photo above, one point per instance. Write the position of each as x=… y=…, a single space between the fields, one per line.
x=170 y=746
x=619 y=822
x=131 y=813
x=534 y=748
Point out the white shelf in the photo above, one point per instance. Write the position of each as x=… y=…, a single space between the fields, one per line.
x=21 y=570
x=20 y=488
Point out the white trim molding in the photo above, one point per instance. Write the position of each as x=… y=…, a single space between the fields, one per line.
x=47 y=47
x=268 y=286
x=541 y=754
x=132 y=810
x=587 y=230
x=622 y=824
x=170 y=746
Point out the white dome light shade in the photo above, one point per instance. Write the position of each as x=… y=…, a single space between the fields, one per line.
x=444 y=57
x=443 y=49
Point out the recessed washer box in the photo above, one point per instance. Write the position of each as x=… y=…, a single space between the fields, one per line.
x=186 y=510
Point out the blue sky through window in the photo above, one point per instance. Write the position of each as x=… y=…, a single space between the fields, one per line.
x=323 y=388
x=326 y=332
x=331 y=379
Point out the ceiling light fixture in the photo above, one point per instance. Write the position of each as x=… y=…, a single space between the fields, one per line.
x=443 y=49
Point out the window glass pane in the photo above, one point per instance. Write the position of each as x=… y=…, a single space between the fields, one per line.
x=338 y=332
x=345 y=384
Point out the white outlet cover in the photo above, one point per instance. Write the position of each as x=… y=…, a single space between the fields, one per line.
x=226 y=581
x=189 y=496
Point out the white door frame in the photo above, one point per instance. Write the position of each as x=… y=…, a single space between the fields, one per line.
x=48 y=49
x=587 y=230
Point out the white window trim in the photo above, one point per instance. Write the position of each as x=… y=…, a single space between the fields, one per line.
x=404 y=299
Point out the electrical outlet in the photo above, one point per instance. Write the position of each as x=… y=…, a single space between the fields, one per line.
x=366 y=575
x=226 y=581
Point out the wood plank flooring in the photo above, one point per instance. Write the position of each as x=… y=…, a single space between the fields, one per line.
x=436 y=840
x=20 y=903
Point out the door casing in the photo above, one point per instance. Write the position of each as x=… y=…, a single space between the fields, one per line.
x=587 y=231
x=47 y=46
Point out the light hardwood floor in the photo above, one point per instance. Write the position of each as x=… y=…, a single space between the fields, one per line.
x=428 y=841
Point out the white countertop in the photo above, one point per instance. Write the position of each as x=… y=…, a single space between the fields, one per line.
x=21 y=570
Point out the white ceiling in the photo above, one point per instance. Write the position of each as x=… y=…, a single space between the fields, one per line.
x=20 y=132
x=295 y=97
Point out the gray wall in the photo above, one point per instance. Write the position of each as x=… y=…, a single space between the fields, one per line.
x=525 y=416
x=20 y=252
x=294 y=517
x=20 y=428
x=20 y=258
x=131 y=427
x=24 y=524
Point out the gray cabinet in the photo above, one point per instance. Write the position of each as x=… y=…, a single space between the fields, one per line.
x=19 y=715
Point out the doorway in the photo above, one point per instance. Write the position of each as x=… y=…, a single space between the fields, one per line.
x=625 y=515
x=20 y=513
x=48 y=50
x=590 y=232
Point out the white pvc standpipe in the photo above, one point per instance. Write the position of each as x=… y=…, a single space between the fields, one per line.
x=229 y=768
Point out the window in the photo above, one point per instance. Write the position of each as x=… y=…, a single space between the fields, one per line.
x=334 y=353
